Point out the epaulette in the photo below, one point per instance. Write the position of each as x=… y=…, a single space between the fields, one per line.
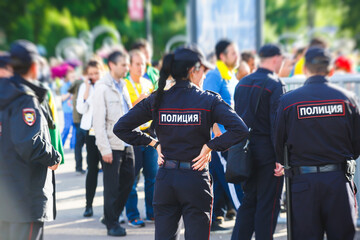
x=215 y=93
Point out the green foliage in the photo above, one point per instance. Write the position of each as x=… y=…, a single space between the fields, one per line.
x=48 y=21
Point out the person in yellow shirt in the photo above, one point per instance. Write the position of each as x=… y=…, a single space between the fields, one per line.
x=140 y=88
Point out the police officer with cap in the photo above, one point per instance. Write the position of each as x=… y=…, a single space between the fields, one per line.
x=182 y=117
x=320 y=124
x=27 y=157
x=262 y=191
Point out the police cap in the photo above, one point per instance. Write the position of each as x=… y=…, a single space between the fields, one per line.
x=316 y=55
x=23 y=52
x=269 y=50
x=192 y=54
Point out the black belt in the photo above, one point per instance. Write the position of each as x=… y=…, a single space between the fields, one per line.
x=316 y=169
x=171 y=164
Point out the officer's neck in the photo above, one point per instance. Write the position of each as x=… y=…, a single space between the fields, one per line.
x=268 y=66
x=28 y=77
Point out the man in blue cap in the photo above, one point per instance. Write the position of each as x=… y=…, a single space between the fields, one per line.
x=27 y=158
x=262 y=190
x=320 y=124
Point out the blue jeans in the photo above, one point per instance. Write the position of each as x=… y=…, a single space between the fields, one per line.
x=68 y=123
x=146 y=158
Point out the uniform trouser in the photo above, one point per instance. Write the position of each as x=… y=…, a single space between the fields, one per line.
x=118 y=180
x=260 y=206
x=146 y=158
x=187 y=193
x=93 y=158
x=323 y=202
x=222 y=192
x=21 y=231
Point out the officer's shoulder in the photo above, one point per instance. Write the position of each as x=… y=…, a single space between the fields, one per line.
x=212 y=93
x=343 y=91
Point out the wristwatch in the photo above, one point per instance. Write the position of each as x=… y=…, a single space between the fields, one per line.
x=156 y=144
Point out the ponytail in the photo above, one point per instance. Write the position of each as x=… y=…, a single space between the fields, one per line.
x=165 y=72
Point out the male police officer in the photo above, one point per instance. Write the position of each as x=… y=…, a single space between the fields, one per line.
x=27 y=186
x=320 y=124
x=261 y=202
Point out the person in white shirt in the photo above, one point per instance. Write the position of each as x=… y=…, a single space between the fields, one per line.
x=84 y=106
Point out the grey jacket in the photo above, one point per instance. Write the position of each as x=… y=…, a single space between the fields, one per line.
x=107 y=109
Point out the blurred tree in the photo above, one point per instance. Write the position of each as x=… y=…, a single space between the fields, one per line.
x=46 y=22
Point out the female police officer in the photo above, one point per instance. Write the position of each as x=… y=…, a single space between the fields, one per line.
x=182 y=117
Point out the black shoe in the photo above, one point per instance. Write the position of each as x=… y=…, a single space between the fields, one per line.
x=117 y=231
x=231 y=214
x=215 y=227
x=102 y=220
x=88 y=212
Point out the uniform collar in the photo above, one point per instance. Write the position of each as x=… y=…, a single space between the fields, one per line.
x=264 y=70
x=39 y=91
x=224 y=70
x=316 y=79
x=184 y=84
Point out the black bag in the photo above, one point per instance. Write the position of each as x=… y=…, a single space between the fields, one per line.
x=239 y=163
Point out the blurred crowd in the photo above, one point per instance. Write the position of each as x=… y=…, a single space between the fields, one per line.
x=73 y=81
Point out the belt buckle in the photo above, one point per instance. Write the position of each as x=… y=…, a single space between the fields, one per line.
x=171 y=164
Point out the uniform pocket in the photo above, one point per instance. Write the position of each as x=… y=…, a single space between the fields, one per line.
x=299 y=187
x=160 y=175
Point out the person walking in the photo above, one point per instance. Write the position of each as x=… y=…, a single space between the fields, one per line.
x=111 y=102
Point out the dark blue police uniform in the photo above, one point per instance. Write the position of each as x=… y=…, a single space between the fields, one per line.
x=183 y=125
x=261 y=203
x=320 y=123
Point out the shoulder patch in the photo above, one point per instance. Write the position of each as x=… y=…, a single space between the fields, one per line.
x=29 y=116
x=215 y=93
x=316 y=110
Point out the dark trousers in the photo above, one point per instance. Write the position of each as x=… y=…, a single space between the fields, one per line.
x=21 y=231
x=146 y=158
x=187 y=193
x=79 y=143
x=118 y=180
x=260 y=206
x=222 y=193
x=323 y=202
x=93 y=158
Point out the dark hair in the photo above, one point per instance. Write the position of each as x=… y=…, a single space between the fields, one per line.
x=114 y=57
x=178 y=69
x=92 y=63
x=140 y=43
x=247 y=55
x=320 y=67
x=317 y=42
x=20 y=67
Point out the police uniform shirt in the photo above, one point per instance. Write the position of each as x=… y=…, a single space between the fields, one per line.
x=246 y=95
x=320 y=123
x=183 y=122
